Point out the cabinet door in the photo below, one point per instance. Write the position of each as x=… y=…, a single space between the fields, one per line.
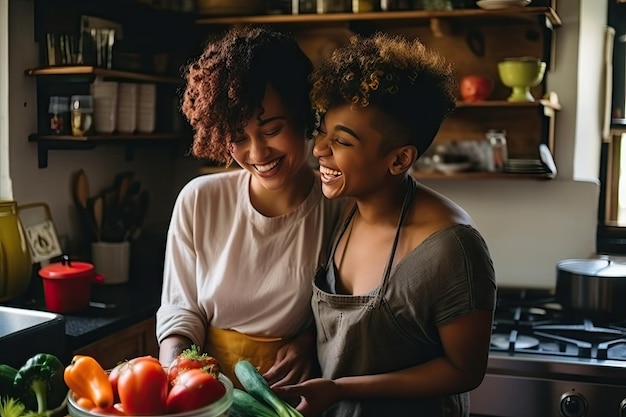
x=136 y=340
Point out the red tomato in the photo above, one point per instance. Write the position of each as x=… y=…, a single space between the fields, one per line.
x=192 y=359
x=194 y=388
x=113 y=378
x=143 y=386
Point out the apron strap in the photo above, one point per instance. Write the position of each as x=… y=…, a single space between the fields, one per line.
x=408 y=199
x=344 y=227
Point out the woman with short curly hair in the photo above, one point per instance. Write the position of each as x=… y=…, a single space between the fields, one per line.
x=243 y=245
x=404 y=308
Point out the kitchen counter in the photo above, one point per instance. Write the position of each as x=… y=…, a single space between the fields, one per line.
x=113 y=308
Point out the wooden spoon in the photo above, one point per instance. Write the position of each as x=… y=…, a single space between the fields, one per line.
x=80 y=189
x=98 y=213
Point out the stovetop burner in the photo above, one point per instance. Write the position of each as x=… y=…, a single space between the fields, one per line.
x=534 y=323
x=549 y=362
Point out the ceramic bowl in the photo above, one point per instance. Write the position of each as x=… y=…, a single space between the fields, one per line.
x=520 y=74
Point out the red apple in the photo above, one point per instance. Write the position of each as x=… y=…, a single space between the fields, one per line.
x=475 y=88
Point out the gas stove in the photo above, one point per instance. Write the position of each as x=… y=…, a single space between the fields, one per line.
x=548 y=362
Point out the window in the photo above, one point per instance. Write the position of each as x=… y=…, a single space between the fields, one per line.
x=5 y=180
x=611 y=236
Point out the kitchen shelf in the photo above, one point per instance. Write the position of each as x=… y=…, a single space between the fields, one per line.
x=106 y=74
x=421 y=175
x=395 y=17
x=46 y=143
x=554 y=105
x=474 y=175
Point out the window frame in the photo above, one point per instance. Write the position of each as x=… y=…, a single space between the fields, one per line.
x=6 y=191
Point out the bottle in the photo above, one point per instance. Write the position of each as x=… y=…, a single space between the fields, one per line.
x=15 y=260
x=497 y=154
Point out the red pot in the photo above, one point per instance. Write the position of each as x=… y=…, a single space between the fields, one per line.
x=67 y=285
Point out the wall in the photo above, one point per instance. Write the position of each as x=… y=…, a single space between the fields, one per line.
x=529 y=225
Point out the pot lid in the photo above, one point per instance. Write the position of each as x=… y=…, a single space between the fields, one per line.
x=593 y=267
x=66 y=269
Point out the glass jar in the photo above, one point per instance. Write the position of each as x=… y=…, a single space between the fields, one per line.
x=497 y=154
x=82 y=115
x=59 y=114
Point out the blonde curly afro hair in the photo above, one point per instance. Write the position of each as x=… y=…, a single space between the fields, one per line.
x=225 y=86
x=412 y=85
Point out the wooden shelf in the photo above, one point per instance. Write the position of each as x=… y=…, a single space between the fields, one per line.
x=105 y=73
x=554 y=105
x=473 y=175
x=46 y=143
x=408 y=16
x=468 y=175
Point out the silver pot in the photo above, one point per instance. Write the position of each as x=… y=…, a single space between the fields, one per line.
x=592 y=286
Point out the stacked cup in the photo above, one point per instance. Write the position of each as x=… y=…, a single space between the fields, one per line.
x=105 y=105
x=127 y=107
x=146 y=105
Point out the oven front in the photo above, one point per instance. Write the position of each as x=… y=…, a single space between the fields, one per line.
x=581 y=390
x=545 y=361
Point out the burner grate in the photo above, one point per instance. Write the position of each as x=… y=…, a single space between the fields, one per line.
x=540 y=326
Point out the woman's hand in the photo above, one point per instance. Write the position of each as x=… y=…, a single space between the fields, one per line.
x=295 y=362
x=316 y=395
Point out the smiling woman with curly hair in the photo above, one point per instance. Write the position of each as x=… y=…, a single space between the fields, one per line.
x=412 y=85
x=243 y=245
x=226 y=85
x=404 y=307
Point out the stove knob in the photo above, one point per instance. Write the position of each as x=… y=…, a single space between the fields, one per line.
x=573 y=404
x=622 y=408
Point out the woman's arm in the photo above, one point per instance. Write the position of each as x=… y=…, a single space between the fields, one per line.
x=172 y=346
x=461 y=369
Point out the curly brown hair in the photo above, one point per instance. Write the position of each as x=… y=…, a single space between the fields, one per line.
x=412 y=85
x=225 y=86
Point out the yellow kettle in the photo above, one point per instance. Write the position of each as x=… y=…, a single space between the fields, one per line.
x=15 y=260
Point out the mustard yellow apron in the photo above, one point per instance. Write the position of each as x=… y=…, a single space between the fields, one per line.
x=229 y=346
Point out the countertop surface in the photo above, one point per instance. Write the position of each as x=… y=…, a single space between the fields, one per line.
x=113 y=307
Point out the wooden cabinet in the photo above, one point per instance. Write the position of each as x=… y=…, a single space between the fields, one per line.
x=475 y=40
x=136 y=340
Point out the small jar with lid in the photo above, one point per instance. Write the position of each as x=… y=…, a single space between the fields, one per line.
x=497 y=154
x=82 y=115
x=59 y=115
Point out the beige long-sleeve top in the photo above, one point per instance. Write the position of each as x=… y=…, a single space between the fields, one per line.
x=228 y=266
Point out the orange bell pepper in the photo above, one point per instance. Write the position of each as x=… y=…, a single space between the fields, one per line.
x=86 y=378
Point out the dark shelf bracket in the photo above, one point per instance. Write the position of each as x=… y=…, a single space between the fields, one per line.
x=44 y=146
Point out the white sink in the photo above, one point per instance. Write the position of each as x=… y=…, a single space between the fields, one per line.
x=25 y=332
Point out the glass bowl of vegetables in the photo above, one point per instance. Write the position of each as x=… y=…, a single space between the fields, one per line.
x=219 y=408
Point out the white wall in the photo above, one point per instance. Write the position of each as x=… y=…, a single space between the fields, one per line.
x=529 y=225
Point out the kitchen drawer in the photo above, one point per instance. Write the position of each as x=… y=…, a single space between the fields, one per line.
x=136 y=340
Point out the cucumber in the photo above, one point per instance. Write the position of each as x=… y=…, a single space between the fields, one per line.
x=7 y=376
x=254 y=383
x=245 y=405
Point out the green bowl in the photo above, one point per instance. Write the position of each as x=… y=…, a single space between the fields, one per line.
x=520 y=74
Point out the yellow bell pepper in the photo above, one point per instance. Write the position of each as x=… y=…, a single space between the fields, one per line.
x=86 y=378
